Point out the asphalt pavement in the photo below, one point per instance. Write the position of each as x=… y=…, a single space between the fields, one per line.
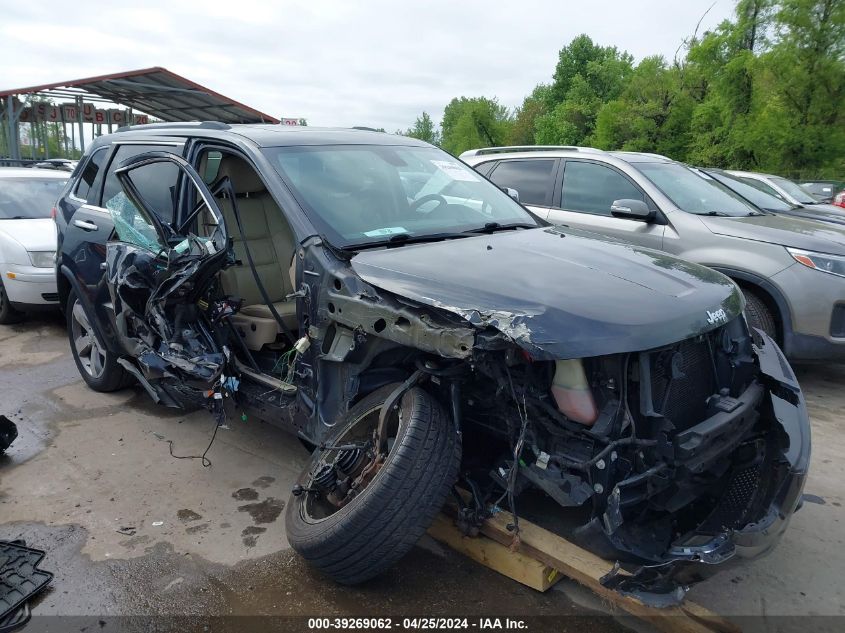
x=131 y=531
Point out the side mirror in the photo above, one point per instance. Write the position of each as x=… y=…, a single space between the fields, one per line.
x=513 y=193
x=632 y=210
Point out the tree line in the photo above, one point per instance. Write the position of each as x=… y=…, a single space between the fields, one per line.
x=763 y=91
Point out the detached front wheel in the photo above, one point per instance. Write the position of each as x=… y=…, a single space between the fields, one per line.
x=358 y=509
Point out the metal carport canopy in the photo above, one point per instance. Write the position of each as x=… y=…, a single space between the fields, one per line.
x=158 y=92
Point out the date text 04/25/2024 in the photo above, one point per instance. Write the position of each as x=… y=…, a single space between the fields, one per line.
x=414 y=624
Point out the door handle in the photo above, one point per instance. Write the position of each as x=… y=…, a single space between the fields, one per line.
x=85 y=225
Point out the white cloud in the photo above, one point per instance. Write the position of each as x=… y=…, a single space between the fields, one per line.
x=377 y=63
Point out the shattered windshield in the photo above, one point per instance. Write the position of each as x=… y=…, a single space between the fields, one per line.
x=361 y=194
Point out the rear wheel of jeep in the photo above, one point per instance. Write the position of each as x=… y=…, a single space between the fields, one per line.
x=359 y=510
x=97 y=365
x=758 y=313
x=8 y=314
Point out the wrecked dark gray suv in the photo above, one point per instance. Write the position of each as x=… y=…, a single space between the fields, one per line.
x=409 y=321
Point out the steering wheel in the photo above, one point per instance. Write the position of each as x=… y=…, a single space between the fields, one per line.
x=441 y=201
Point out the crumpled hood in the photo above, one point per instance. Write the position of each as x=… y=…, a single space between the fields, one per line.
x=34 y=235
x=810 y=235
x=557 y=292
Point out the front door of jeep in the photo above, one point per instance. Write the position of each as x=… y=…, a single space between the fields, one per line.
x=160 y=275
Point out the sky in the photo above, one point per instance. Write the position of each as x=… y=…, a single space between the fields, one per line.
x=375 y=63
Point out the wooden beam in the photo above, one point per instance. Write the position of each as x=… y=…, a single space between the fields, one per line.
x=588 y=569
x=515 y=565
x=555 y=552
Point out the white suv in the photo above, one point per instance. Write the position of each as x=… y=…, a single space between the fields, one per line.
x=784 y=189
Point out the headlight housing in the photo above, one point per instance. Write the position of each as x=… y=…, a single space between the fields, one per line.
x=833 y=264
x=43 y=259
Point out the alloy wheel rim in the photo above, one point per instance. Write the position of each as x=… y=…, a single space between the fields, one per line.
x=91 y=356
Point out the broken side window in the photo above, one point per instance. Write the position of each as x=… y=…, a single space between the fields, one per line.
x=131 y=225
x=158 y=182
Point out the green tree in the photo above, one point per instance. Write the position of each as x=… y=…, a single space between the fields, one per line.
x=770 y=88
x=523 y=126
x=586 y=76
x=805 y=72
x=424 y=130
x=764 y=90
x=753 y=20
x=723 y=71
x=474 y=122
x=651 y=115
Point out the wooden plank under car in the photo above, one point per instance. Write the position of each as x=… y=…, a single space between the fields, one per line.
x=541 y=553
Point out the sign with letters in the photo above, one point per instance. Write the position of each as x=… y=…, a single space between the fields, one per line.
x=70 y=113
x=88 y=112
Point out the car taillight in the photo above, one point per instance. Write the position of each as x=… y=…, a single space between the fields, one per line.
x=839 y=199
x=53 y=213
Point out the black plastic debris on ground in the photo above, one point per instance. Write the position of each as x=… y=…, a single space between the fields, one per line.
x=15 y=619
x=8 y=433
x=20 y=580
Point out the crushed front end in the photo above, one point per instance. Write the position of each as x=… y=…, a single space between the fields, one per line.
x=674 y=459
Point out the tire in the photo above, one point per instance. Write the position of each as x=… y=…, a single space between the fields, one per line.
x=98 y=367
x=8 y=315
x=758 y=314
x=384 y=521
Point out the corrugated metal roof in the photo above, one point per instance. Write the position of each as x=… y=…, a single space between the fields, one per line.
x=160 y=93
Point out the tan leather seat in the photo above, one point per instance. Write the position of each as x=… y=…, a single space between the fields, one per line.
x=271 y=244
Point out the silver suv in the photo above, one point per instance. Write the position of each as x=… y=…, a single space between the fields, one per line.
x=791 y=270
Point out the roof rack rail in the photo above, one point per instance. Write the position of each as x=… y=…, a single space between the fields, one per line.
x=652 y=154
x=164 y=125
x=364 y=128
x=528 y=148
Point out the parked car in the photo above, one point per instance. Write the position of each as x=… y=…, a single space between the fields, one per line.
x=791 y=270
x=782 y=188
x=823 y=190
x=27 y=240
x=63 y=164
x=397 y=312
x=769 y=202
